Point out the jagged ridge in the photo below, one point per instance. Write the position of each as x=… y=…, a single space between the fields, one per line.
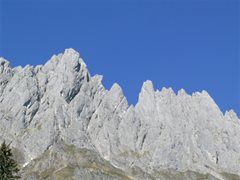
x=44 y=107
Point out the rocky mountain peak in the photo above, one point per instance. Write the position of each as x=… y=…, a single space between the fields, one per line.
x=4 y=66
x=59 y=117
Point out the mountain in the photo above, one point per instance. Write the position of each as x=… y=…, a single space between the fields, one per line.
x=63 y=124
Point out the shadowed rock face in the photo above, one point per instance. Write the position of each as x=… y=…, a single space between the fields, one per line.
x=64 y=124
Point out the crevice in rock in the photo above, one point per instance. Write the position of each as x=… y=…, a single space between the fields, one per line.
x=143 y=140
x=27 y=103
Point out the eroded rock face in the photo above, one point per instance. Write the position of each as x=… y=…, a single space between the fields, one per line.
x=64 y=124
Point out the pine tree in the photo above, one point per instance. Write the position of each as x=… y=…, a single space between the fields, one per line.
x=8 y=166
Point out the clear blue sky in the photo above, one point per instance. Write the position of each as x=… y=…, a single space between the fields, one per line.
x=190 y=44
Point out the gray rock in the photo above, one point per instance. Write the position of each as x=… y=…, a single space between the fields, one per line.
x=63 y=124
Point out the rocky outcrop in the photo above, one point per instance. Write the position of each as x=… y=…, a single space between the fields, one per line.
x=63 y=124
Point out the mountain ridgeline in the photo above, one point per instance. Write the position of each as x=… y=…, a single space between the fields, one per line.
x=63 y=124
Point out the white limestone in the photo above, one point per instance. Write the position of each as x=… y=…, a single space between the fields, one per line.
x=58 y=103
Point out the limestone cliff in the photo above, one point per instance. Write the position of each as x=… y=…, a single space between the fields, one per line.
x=63 y=124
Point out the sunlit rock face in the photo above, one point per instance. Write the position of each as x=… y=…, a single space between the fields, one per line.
x=63 y=124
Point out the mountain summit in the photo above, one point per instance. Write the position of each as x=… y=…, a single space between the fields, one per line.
x=63 y=124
